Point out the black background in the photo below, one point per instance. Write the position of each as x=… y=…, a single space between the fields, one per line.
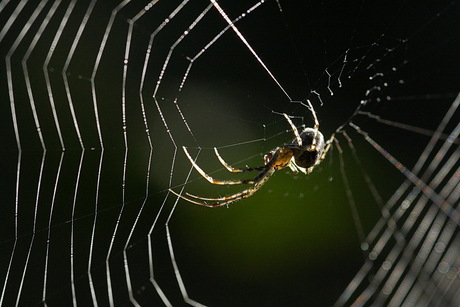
x=295 y=242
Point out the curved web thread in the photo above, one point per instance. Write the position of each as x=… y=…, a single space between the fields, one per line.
x=115 y=229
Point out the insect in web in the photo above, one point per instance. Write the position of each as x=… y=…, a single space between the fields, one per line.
x=306 y=151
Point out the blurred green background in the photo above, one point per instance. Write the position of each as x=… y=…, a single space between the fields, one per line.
x=295 y=242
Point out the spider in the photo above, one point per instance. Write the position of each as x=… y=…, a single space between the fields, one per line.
x=306 y=151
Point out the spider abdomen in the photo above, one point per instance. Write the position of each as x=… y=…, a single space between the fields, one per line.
x=306 y=156
x=306 y=159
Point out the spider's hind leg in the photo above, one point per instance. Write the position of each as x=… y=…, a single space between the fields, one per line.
x=222 y=182
x=262 y=178
x=236 y=170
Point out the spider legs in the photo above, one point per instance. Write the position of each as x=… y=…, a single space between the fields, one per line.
x=263 y=169
x=276 y=161
x=327 y=147
x=313 y=113
x=226 y=200
x=315 y=127
x=227 y=166
x=278 y=158
x=294 y=129
x=236 y=170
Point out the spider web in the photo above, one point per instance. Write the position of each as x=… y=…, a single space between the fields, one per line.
x=99 y=98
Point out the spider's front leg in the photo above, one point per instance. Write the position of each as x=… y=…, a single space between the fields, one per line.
x=315 y=127
x=294 y=130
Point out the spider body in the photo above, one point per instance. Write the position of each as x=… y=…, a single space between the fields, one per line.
x=306 y=151
x=308 y=155
x=297 y=157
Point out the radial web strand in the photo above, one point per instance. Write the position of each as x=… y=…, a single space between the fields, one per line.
x=118 y=118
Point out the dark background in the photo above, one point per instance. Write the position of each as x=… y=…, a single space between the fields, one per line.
x=295 y=242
